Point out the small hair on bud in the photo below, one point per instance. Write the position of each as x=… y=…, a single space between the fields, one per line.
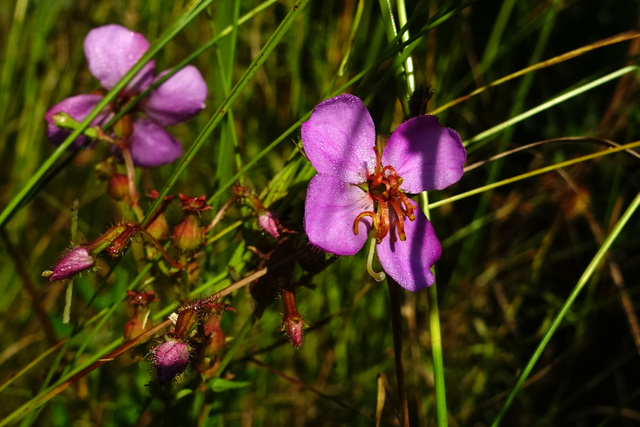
x=170 y=359
x=75 y=261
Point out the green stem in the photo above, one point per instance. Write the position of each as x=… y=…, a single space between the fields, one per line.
x=408 y=63
x=388 y=53
x=396 y=325
x=436 y=336
x=586 y=276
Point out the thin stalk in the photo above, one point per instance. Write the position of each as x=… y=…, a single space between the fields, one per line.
x=534 y=173
x=396 y=325
x=584 y=279
x=408 y=63
x=436 y=335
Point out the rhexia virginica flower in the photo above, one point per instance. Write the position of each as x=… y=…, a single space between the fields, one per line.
x=356 y=188
x=112 y=50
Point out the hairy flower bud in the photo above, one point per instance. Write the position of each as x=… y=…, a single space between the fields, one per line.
x=76 y=260
x=170 y=359
x=268 y=223
x=294 y=328
x=292 y=322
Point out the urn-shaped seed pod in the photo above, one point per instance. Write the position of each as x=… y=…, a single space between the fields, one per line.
x=188 y=235
x=118 y=186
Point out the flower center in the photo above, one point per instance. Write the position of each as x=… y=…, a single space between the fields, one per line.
x=384 y=187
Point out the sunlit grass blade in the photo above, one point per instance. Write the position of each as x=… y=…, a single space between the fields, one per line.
x=542 y=107
x=622 y=37
x=589 y=271
x=533 y=173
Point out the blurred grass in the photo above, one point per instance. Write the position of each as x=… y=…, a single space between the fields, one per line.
x=517 y=253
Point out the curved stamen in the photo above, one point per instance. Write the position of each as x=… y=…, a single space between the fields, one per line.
x=408 y=206
x=400 y=219
x=383 y=185
x=373 y=216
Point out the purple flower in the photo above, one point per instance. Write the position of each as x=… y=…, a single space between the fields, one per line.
x=75 y=261
x=111 y=51
x=171 y=359
x=357 y=189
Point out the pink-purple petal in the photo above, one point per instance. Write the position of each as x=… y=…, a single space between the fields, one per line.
x=330 y=211
x=178 y=99
x=78 y=107
x=426 y=155
x=111 y=51
x=339 y=138
x=409 y=262
x=152 y=145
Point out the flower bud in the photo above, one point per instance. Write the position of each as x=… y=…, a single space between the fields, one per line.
x=292 y=322
x=120 y=243
x=75 y=261
x=159 y=227
x=136 y=325
x=170 y=359
x=118 y=186
x=268 y=223
x=294 y=328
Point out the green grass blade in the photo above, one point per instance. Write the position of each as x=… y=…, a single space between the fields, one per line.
x=589 y=271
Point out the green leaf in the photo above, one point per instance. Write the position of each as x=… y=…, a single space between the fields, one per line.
x=219 y=385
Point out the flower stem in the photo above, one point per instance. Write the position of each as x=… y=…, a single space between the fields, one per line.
x=131 y=181
x=160 y=248
x=221 y=213
x=396 y=325
x=436 y=337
